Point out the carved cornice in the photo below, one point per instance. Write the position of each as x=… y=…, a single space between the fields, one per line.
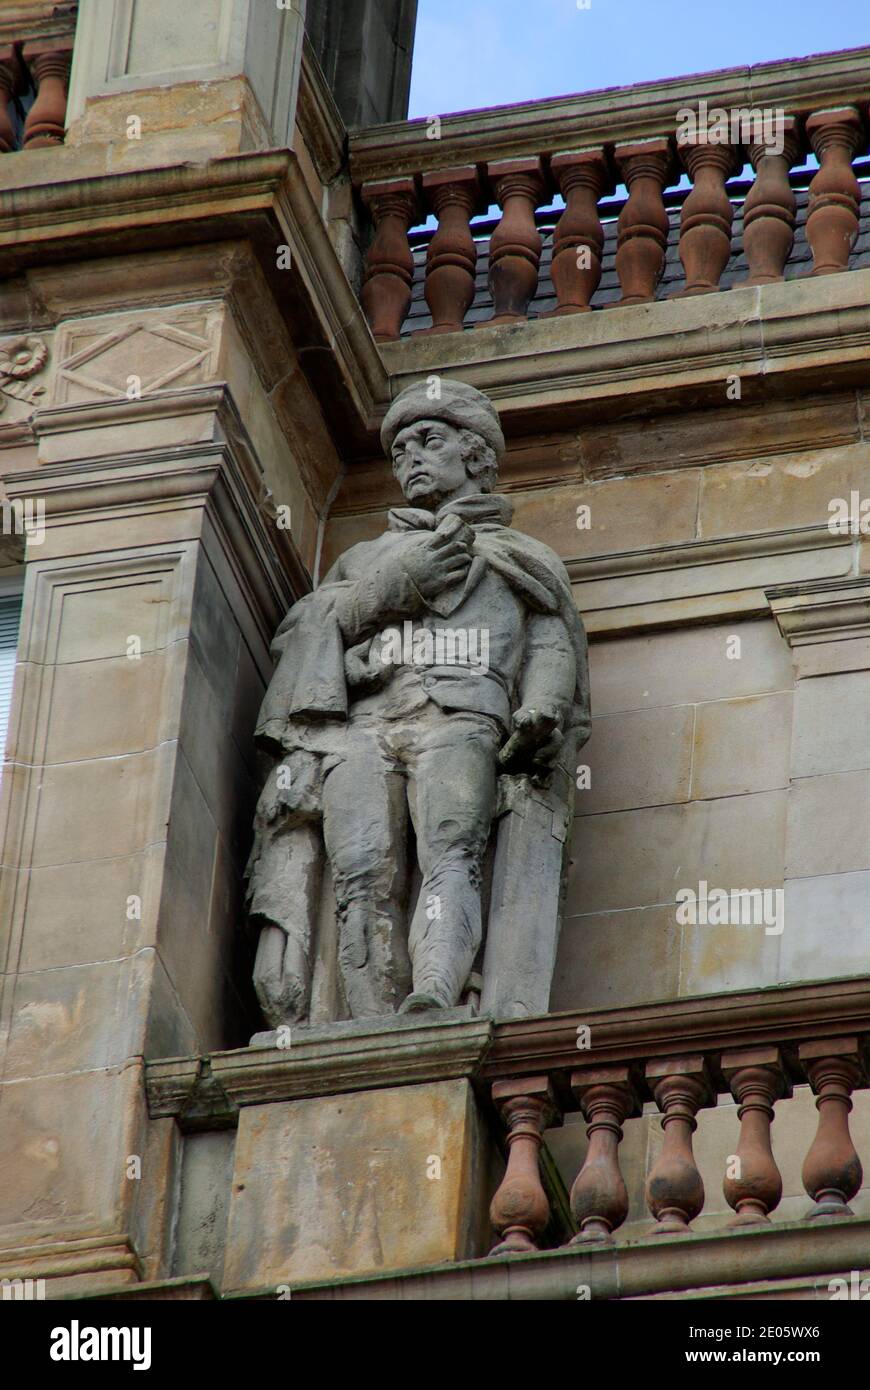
x=262 y=197
x=319 y=118
x=366 y=1054
x=592 y=119
x=828 y=610
x=661 y=356
x=220 y=470
x=21 y=20
x=351 y=1057
x=785 y=1254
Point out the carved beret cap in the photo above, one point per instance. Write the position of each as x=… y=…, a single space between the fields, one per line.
x=460 y=405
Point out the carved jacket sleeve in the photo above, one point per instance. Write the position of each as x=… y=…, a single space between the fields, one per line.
x=384 y=593
x=548 y=676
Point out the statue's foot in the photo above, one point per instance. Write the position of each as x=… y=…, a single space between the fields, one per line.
x=418 y=1003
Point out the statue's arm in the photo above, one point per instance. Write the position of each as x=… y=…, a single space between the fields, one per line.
x=545 y=691
x=548 y=676
x=383 y=594
x=399 y=581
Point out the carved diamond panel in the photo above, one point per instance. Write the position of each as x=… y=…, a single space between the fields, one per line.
x=114 y=358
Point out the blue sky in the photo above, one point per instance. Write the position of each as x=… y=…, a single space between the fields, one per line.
x=471 y=53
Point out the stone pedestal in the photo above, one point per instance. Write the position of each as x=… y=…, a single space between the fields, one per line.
x=353 y=1184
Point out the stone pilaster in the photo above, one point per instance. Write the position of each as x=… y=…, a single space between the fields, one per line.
x=827 y=862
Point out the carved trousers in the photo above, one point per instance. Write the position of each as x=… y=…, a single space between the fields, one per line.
x=439 y=768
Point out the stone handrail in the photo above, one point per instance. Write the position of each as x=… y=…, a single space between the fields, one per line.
x=644 y=138
x=757 y=1046
x=36 y=45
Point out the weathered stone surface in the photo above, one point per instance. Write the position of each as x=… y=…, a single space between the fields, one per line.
x=638 y=758
x=831 y=725
x=341 y=1185
x=688 y=665
x=741 y=746
x=617 y=958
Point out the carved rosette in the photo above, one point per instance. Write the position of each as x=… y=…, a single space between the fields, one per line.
x=20 y=359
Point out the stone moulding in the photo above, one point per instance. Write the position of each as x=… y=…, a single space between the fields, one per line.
x=262 y=197
x=785 y=1014
x=776 y=338
x=223 y=466
x=319 y=118
x=599 y=118
x=328 y=1062
x=112 y=1254
x=685 y=1266
x=727 y=578
x=367 y=1056
x=825 y=611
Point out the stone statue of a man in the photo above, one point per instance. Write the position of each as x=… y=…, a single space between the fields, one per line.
x=425 y=664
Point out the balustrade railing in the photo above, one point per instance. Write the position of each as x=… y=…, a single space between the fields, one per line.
x=816 y=110
x=36 y=45
x=758 y=1072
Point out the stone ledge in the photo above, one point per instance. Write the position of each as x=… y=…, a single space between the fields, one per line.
x=197 y=1288
x=207 y=1092
x=779 y=339
x=682 y=1266
x=609 y=114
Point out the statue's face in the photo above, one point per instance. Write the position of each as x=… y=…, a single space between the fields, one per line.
x=428 y=462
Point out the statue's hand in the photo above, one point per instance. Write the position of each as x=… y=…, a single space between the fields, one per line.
x=438 y=558
x=536 y=736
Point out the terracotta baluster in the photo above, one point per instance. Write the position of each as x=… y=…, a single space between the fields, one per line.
x=578 y=238
x=599 y=1199
x=642 y=229
x=49 y=64
x=769 y=210
x=451 y=260
x=674 y=1187
x=515 y=245
x=9 y=83
x=835 y=194
x=705 y=222
x=519 y=1211
x=832 y=1171
x=757 y=1078
x=386 y=291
